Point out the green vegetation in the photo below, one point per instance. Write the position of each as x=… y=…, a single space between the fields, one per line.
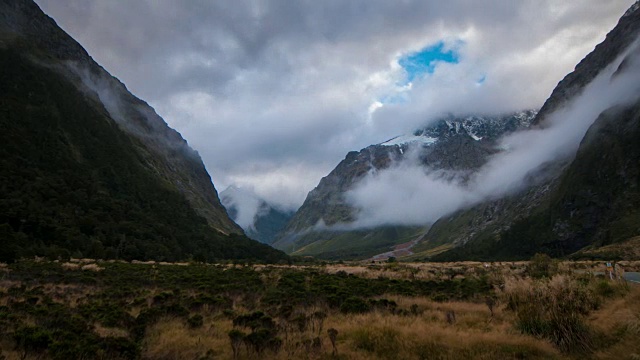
x=74 y=184
x=356 y=244
x=65 y=312
x=595 y=203
x=118 y=310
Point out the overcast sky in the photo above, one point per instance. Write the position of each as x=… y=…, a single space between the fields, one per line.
x=273 y=94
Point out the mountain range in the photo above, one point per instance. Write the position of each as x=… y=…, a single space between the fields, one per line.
x=583 y=194
x=325 y=225
x=87 y=169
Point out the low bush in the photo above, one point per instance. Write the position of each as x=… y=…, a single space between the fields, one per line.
x=355 y=305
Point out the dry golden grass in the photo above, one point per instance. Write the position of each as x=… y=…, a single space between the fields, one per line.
x=171 y=339
x=375 y=335
x=619 y=322
x=109 y=331
x=425 y=334
x=629 y=249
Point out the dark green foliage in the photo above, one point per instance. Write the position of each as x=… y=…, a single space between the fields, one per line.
x=281 y=301
x=383 y=304
x=261 y=339
x=72 y=182
x=119 y=348
x=595 y=202
x=355 y=305
x=541 y=265
x=195 y=321
x=237 y=338
x=31 y=340
x=356 y=244
x=255 y=321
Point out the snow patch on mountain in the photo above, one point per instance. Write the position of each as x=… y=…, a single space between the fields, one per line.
x=407 y=139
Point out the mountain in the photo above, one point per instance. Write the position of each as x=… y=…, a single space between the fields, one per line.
x=324 y=224
x=589 y=200
x=582 y=197
x=89 y=169
x=260 y=220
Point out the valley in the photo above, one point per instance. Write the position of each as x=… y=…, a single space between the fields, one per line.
x=486 y=215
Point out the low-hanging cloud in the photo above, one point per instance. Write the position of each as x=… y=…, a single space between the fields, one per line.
x=285 y=88
x=246 y=204
x=409 y=194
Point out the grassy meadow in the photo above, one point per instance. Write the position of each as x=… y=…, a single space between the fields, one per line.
x=543 y=309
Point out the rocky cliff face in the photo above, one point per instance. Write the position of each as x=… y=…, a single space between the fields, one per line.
x=616 y=41
x=457 y=144
x=25 y=27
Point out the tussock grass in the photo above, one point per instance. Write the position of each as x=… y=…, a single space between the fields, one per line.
x=378 y=336
x=569 y=315
x=172 y=339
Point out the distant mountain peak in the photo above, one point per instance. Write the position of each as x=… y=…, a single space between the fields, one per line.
x=451 y=144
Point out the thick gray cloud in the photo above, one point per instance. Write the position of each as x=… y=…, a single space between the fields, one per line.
x=409 y=194
x=273 y=94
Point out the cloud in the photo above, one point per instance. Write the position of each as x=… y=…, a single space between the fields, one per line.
x=246 y=205
x=259 y=87
x=409 y=194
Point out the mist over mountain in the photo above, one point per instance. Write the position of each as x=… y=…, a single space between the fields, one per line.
x=88 y=169
x=260 y=220
x=368 y=202
x=590 y=198
x=480 y=194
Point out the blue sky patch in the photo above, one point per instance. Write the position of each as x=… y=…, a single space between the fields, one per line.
x=423 y=62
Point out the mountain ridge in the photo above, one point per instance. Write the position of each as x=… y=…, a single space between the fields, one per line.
x=452 y=144
x=537 y=225
x=39 y=35
x=88 y=169
x=539 y=214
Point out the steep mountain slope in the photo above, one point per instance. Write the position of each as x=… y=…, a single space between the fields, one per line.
x=88 y=168
x=258 y=219
x=321 y=226
x=591 y=199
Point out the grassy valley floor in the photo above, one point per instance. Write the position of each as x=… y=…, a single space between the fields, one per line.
x=116 y=310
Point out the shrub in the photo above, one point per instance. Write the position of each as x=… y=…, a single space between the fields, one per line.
x=195 y=321
x=236 y=337
x=553 y=309
x=541 y=265
x=31 y=340
x=609 y=289
x=355 y=305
